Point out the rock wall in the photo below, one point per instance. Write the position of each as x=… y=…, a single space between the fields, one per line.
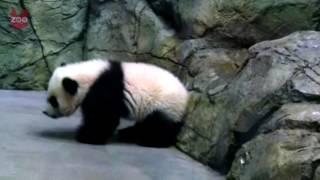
x=164 y=32
x=54 y=34
x=241 y=87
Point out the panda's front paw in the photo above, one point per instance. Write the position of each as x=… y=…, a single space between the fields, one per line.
x=90 y=136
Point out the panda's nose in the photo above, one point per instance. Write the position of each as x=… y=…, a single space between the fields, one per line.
x=47 y=114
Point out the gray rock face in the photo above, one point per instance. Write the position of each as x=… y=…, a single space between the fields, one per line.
x=317 y=174
x=281 y=155
x=294 y=116
x=249 y=21
x=289 y=149
x=132 y=32
x=209 y=73
x=276 y=73
x=138 y=30
x=53 y=35
x=62 y=39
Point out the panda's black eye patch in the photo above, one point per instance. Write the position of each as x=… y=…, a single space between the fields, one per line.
x=53 y=101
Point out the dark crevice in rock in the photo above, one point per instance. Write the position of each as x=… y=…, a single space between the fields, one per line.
x=123 y=4
x=297 y=96
x=49 y=41
x=61 y=49
x=139 y=54
x=311 y=78
x=287 y=54
x=217 y=93
x=11 y=43
x=187 y=60
x=137 y=22
x=197 y=132
x=216 y=35
x=222 y=168
x=316 y=18
x=314 y=71
x=72 y=15
x=64 y=45
x=230 y=156
x=289 y=124
x=210 y=30
x=243 y=66
x=240 y=138
x=171 y=50
x=194 y=89
x=314 y=165
x=167 y=11
x=192 y=156
x=20 y=68
x=243 y=137
x=37 y=36
x=84 y=33
x=137 y=29
x=5 y=30
x=162 y=58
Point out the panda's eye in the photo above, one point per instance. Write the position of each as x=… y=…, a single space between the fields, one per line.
x=53 y=101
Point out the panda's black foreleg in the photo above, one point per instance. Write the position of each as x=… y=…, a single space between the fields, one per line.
x=96 y=131
x=102 y=106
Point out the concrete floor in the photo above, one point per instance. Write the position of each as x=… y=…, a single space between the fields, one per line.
x=34 y=147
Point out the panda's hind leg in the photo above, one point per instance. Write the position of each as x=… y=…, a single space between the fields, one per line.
x=156 y=130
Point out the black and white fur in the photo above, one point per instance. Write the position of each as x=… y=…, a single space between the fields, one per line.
x=109 y=90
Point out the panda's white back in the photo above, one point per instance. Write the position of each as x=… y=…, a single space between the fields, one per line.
x=153 y=88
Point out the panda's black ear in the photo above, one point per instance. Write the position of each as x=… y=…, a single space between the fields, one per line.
x=70 y=85
x=62 y=64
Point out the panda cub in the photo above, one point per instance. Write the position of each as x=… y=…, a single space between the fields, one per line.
x=108 y=90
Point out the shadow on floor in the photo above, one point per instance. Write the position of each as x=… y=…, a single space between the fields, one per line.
x=67 y=134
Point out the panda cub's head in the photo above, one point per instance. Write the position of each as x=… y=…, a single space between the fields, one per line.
x=68 y=86
x=62 y=97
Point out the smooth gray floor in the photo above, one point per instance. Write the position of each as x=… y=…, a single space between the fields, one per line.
x=34 y=147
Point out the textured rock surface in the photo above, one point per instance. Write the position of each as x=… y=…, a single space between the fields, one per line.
x=294 y=116
x=288 y=149
x=155 y=31
x=209 y=73
x=277 y=72
x=248 y=20
x=281 y=155
x=132 y=32
x=53 y=35
x=317 y=174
